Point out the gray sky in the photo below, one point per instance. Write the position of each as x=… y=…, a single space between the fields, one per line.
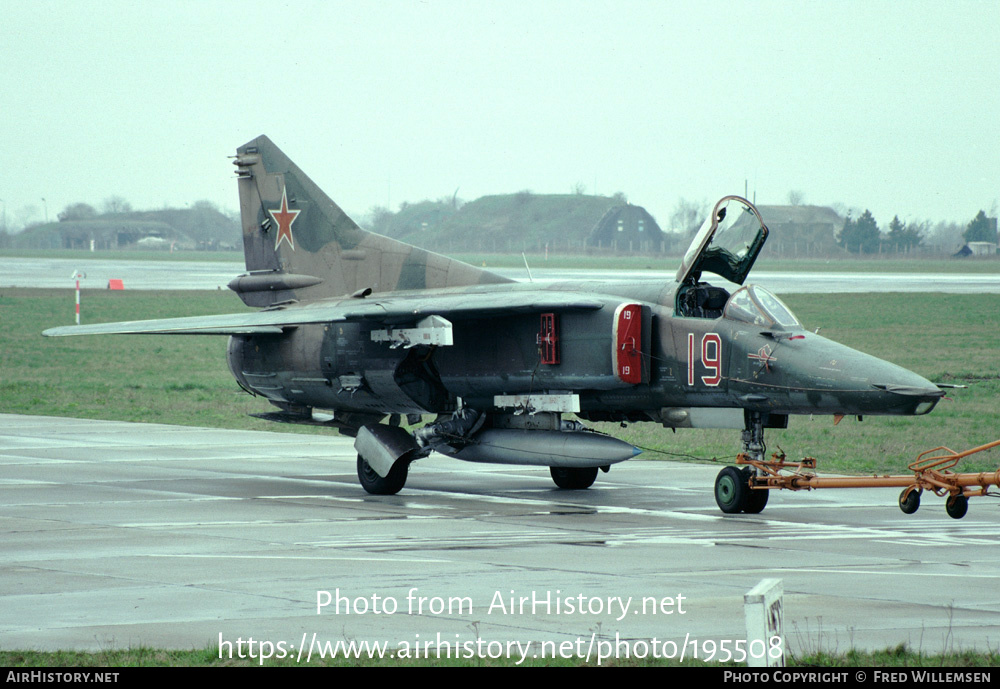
x=892 y=106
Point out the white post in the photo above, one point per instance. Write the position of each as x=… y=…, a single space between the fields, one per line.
x=765 y=619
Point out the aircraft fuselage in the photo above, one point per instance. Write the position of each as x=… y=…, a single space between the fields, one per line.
x=687 y=362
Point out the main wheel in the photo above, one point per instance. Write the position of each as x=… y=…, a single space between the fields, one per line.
x=909 y=500
x=754 y=501
x=377 y=485
x=731 y=490
x=571 y=478
x=956 y=506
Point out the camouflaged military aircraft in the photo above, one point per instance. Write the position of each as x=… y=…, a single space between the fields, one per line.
x=374 y=330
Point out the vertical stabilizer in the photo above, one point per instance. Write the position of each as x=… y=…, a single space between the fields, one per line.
x=300 y=245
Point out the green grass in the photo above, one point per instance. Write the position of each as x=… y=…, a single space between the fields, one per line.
x=900 y=656
x=178 y=380
x=880 y=264
x=852 y=264
x=125 y=255
x=185 y=380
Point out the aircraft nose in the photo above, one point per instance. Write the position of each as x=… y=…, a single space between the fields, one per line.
x=822 y=375
x=929 y=390
x=922 y=393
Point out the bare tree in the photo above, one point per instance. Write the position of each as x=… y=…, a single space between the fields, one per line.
x=380 y=219
x=688 y=215
x=116 y=204
x=77 y=211
x=946 y=236
x=25 y=216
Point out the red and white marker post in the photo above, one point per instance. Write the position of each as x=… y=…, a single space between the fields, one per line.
x=77 y=275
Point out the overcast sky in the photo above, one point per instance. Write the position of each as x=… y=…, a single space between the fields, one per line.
x=892 y=106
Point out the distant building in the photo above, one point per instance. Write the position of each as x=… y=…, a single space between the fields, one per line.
x=627 y=228
x=181 y=228
x=978 y=249
x=801 y=230
x=120 y=234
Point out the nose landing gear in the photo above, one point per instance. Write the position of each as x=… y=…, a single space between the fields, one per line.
x=735 y=492
x=746 y=490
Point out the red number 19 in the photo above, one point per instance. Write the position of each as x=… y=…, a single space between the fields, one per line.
x=711 y=357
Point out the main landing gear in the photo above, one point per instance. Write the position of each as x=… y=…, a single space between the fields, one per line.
x=569 y=478
x=391 y=484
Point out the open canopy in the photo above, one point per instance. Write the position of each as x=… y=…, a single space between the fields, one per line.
x=727 y=243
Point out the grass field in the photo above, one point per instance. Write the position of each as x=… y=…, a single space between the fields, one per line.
x=125 y=255
x=901 y=656
x=185 y=380
x=848 y=264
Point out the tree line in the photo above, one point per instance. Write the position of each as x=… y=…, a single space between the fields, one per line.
x=863 y=235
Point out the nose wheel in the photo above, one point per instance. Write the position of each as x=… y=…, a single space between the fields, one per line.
x=730 y=490
x=747 y=490
x=733 y=493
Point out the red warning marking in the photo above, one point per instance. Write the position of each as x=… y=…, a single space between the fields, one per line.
x=627 y=338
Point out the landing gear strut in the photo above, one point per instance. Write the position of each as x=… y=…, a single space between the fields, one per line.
x=753 y=437
x=734 y=488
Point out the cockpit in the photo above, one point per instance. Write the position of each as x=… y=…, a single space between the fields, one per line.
x=754 y=304
x=750 y=304
x=727 y=244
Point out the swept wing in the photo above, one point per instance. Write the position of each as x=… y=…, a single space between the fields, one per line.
x=389 y=310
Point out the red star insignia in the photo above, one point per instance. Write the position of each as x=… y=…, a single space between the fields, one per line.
x=763 y=355
x=284 y=218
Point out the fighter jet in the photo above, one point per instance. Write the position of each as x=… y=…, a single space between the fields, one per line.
x=373 y=331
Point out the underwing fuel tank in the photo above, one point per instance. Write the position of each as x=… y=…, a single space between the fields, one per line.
x=569 y=449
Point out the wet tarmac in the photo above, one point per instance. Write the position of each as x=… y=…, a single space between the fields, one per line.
x=156 y=275
x=117 y=535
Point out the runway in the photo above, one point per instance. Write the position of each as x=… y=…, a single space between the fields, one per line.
x=213 y=275
x=120 y=535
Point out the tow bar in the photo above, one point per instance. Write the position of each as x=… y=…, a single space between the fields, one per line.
x=741 y=490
